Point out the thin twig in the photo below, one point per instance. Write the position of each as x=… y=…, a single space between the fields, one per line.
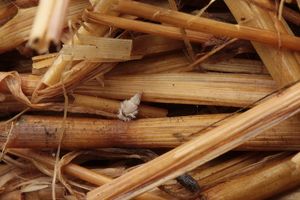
x=207 y=55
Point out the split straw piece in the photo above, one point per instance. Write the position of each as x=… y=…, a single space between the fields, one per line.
x=206 y=25
x=74 y=170
x=168 y=132
x=203 y=148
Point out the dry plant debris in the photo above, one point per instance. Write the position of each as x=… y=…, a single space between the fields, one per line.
x=149 y=100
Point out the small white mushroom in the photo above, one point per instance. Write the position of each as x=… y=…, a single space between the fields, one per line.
x=129 y=108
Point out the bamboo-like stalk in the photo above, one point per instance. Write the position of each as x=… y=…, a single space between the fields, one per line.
x=203 y=148
x=17 y=30
x=145 y=27
x=280 y=177
x=185 y=88
x=113 y=106
x=282 y=64
x=75 y=170
x=84 y=133
x=207 y=26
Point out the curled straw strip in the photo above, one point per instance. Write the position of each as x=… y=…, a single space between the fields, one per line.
x=11 y=81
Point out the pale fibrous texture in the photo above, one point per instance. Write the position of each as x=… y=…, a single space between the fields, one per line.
x=129 y=108
x=149 y=99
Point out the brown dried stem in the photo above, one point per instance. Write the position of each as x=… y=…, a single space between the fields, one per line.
x=145 y=27
x=84 y=133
